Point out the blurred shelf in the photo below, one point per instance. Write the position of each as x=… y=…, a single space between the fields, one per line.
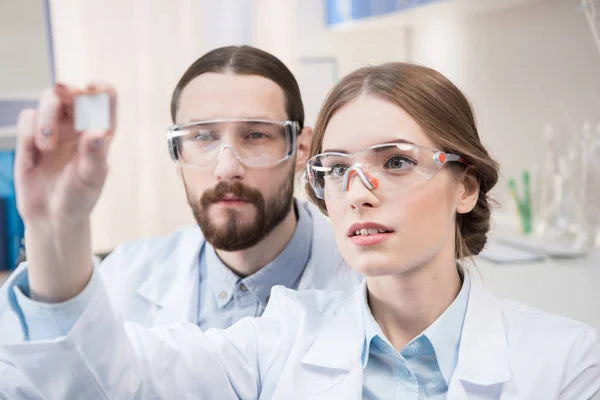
x=564 y=287
x=428 y=13
x=20 y=96
x=8 y=137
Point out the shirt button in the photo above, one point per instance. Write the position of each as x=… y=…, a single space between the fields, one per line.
x=412 y=350
x=222 y=294
x=243 y=288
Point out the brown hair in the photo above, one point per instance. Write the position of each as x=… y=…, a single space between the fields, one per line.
x=445 y=115
x=245 y=60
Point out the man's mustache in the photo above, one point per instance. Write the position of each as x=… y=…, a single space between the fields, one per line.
x=236 y=189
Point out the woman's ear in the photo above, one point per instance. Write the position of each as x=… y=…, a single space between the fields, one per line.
x=303 y=148
x=468 y=192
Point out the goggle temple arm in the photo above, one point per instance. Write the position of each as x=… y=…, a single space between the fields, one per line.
x=441 y=158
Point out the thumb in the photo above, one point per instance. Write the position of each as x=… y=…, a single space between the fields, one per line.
x=92 y=165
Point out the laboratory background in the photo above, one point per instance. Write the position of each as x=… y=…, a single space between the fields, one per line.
x=531 y=69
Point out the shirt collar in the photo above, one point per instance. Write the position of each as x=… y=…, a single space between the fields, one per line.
x=446 y=331
x=372 y=328
x=444 y=334
x=286 y=269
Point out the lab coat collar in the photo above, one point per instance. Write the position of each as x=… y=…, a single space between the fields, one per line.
x=173 y=284
x=483 y=355
x=340 y=351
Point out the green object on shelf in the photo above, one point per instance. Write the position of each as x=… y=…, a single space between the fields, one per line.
x=523 y=203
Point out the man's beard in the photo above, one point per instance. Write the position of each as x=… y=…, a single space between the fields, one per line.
x=236 y=235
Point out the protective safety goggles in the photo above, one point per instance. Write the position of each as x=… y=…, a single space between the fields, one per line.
x=254 y=142
x=396 y=167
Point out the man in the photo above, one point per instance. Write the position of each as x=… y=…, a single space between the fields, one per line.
x=238 y=142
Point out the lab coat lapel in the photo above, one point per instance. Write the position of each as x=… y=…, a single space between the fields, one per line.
x=483 y=364
x=332 y=367
x=172 y=286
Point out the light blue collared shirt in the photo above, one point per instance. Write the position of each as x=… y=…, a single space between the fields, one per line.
x=224 y=297
x=423 y=369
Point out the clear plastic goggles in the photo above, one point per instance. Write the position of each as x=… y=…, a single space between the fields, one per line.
x=254 y=142
x=396 y=167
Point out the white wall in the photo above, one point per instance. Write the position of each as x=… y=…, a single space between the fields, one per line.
x=353 y=48
x=274 y=26
x=24 y=67
x=142 y=51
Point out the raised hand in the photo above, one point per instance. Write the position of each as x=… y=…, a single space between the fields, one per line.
x=59 y=175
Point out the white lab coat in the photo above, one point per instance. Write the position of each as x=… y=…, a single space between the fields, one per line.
x=155 y=281
x=307 y=345
x=15 y=386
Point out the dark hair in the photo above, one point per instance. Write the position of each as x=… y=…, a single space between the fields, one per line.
x=245 y=60
x=446 y=116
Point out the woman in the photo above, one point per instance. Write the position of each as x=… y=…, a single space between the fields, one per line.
x=398 y=166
